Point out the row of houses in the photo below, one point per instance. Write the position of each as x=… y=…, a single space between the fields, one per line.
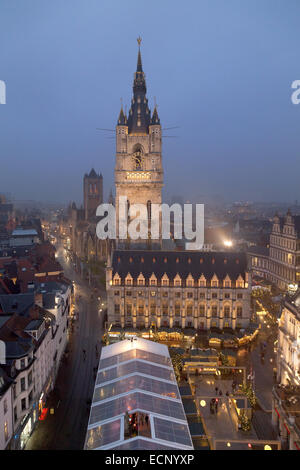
x=35 y=302
x=33 y=335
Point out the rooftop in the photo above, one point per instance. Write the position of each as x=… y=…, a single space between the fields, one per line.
x=20 y=232
x=136 y=402
x=182 y=263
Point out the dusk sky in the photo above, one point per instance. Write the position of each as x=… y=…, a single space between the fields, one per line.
x=220 y=70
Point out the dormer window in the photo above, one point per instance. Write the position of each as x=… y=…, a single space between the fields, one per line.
x=227 y=282
x=128 y=280
x=190 y=281
x=240 y=282
x=165 y=280
x=177 y=281
x=116 y=280
x=153 y=280
x=141 y=280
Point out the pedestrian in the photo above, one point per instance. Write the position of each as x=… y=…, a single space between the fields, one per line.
x=216 y=405
x=227 y=394
x=216 y=389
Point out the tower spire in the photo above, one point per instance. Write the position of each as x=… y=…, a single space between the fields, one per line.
x=139 y=67
x=122 y=120
x=139 y=113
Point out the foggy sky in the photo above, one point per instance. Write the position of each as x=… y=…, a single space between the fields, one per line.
x=220 y=70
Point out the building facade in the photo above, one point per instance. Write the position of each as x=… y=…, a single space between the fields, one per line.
x=138 y=169
x=280 y=263
x=286 y=393
x=35 y=343
x=6 y=418
x=148 y=289
x=288 y=351
x=285 y=251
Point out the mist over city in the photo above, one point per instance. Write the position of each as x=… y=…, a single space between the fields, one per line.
x=149 y=229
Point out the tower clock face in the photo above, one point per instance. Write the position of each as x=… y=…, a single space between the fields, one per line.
x=137 y=160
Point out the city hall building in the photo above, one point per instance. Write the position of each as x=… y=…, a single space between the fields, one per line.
x=188 y=289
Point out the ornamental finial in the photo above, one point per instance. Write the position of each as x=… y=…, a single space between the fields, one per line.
x=139 y=40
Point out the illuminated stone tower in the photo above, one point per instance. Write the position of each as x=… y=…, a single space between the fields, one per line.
x=138 y=169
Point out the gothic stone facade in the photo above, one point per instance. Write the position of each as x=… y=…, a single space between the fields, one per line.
x=138 y=169
x=178 y=289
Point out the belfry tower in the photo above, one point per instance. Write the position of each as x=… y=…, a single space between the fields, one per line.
x=138 y=169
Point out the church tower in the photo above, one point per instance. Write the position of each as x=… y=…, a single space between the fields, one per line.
x=138 y=169
x=92 y=193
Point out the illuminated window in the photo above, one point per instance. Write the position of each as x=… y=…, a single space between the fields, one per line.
x=6 y=431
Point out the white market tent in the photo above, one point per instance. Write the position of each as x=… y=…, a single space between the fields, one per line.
x=136 y=402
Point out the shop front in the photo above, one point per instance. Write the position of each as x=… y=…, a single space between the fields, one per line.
x=24 y=430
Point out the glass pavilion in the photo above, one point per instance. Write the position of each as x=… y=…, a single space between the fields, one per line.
x=136 y=402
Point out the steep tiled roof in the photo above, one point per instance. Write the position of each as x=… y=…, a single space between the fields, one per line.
x=16 y=303
x=183 y=263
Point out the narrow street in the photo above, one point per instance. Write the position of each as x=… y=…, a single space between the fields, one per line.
x=263 y=369
x=66 y=428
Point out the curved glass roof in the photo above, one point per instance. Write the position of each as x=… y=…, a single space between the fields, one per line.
x=136 y=402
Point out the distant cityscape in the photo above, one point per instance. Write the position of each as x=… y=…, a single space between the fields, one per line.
x=141 y=344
